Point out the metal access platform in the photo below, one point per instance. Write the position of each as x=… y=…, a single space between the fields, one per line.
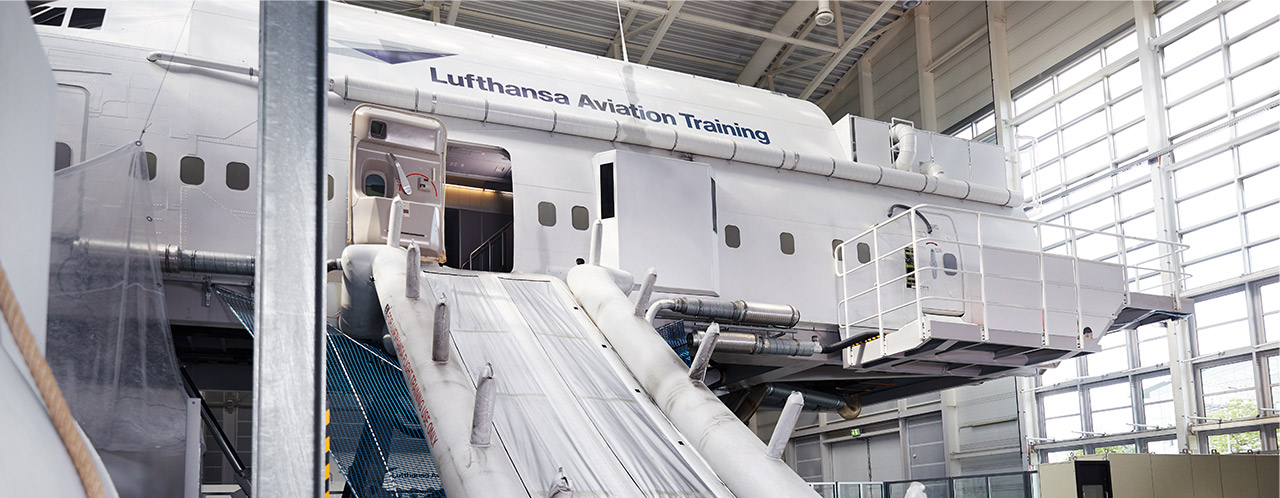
x=954 y=292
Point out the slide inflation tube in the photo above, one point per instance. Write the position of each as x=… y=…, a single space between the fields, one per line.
x=730 y=448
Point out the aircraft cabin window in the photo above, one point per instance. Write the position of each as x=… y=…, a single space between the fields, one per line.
x=839 y=255
x=191 y=170
x=330 y=177
x=51 y=17
x=151 y=166
x=787 y=243
x=87 y=18
x=375 y=185
x=547 y=214
x=237 y=176
x=949 y=263
x=732 y=236
x=61 y=156
x=864 y=253
x=581 y=218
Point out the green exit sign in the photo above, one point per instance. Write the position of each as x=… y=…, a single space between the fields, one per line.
x=855 y=432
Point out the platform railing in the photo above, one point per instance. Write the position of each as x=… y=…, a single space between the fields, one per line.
x=892 y=267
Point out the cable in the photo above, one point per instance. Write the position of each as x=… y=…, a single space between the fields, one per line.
x=61 y=416
x=622 y=30
x=927 y=226
x=165 y=76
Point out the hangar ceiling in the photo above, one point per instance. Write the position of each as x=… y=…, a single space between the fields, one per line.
x=768 y=44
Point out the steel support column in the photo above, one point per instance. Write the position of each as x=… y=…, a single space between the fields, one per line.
x=1002 y=91
x=1180 y=375
x=289 y=348
x=924 y=57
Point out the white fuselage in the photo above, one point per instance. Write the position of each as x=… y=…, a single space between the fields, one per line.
x=199 y=121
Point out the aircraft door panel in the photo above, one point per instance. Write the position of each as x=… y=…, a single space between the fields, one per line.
x=397 y=154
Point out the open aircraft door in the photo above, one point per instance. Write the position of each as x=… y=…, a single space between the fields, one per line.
x=397 y=154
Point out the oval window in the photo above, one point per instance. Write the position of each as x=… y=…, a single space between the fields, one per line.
x=732 y=236
x=375 y=185
x=949 y=263
x=864 y=252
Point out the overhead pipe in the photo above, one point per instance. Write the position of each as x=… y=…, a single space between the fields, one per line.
x=747 y=343
x=781 y=315
x=905 y=135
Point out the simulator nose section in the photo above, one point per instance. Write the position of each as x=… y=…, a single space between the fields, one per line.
x=395 y=153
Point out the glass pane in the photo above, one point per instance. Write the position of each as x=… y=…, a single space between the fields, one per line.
x=1257 y=82
x=1206 y=206
x=1157 y=389
x=1080 y=71
x=1270 y=297
x=1109 y=396
x=1154 y=352
x=1108 y=361
x=1061 y=456
x=1254 y=48
x=1084 y=102
x=1124 y=80
x=1195 y=43
x=1164 y=447
x=1214 y=270
x=1037 y=127
x=1198 y=110
x=1159 y=414
x=1211 y=170
x=1261 y=188
x=1273 y=370
x=1220 y=309
x=1265 y=256
x=1119 y=448
x=1212 y=239
x=1259 y=152
x=1181 y=12
x=1062 y=428
x=1193 y=77
x=1235 y=382
x=1088 y=160
x=1033 y=97
x=1248 y=15
x=1130 y=141
x=1066 y=403
x=1085 y=131
x=1113 y=421
x=1238 y=442
x=1063 y=372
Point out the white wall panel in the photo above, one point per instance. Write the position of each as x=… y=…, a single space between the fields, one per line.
x=897 y=89
x=1043 y=33
x=963 y=82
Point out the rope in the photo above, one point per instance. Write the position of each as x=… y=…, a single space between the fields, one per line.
x=48 y=387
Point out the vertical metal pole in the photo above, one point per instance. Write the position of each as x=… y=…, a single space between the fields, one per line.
x=288 y=380
x=1180 y=375
x=1002 y=91
x=924 y=57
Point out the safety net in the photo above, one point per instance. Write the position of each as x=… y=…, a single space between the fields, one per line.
x=375 y=437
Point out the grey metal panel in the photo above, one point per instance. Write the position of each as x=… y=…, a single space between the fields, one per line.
x=850 y=461
x=1041 y=34
x=894 y=78
x=963 y=83
x=886 y=458
x=925 y=449
x=288 y=380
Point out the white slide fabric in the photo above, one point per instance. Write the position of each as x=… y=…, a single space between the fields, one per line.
x=561 y=402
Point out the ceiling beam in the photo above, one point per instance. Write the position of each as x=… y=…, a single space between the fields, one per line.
x=847 y=47
x=820 y=58
x=613 y=51
x=768 y=50
x=673 y=11
x=791 y=49
x=454 y=7
x=728 y=26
